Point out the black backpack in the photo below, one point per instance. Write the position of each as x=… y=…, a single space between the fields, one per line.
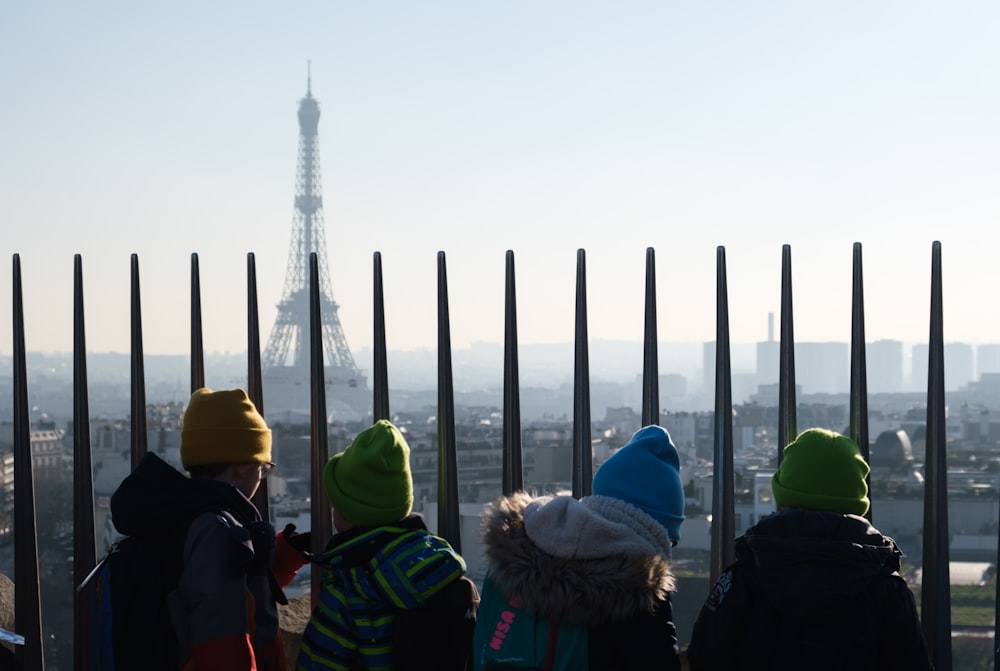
x=132 y=627
x=437 y=635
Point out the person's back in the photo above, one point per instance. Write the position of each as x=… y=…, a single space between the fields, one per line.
x=815 y=585
x=222 y=562
x=388 y=581
x=601 y=564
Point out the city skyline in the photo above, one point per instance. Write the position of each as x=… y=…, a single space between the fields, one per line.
x=474 y=130
x=821 y=367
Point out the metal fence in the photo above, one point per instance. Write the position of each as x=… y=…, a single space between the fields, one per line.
x=935 y=606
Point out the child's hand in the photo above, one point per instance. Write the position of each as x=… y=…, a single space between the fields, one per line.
x=291 y=552
x=300 y=541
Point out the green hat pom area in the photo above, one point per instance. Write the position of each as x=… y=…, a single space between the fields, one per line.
x=822 y=470
x=369 y=483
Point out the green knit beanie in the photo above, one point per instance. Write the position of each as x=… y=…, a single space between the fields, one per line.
x=369 y=483
x=822 y=470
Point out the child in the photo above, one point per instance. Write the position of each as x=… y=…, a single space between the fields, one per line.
x=232 y=566
x=600 y=564
x=814 y=586
x=384 y=571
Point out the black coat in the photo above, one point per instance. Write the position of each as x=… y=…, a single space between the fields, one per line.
x=814 y=590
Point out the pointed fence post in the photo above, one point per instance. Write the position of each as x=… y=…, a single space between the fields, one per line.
x=84 y=536
x=859 y=369
x=650 y=359
x=449 y=522
x=583 y=454
x=513 y=470
x=255 y=384
x=321 y=517
x=139 y=436
x=255 y=387
x=197 y=346
x=787 y=424
x=27 y=595
x=935 y=602
x=996 y=617
x=380 y=384
x=723 y=496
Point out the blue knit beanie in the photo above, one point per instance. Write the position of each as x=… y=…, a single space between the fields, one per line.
x=645 y=472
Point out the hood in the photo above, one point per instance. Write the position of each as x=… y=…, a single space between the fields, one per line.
x=595 y=582
x=813 y=563
x=156 y=496
x=399 y=564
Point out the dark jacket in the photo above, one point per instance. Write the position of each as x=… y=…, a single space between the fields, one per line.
x=814 y=590
x=599 y=562
x=223 y=609
x=371 y=574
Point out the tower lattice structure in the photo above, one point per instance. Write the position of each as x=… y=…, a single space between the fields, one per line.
x=288 y=344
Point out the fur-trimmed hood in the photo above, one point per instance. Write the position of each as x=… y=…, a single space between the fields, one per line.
x=592 y=561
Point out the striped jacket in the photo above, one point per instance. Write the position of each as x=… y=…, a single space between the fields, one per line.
x=370 y=573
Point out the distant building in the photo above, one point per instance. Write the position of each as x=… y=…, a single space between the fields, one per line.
x=823 y=367
x=884 y=362
x=958 y=366
x=987 y=359
x=768 y=356
x=708 y=368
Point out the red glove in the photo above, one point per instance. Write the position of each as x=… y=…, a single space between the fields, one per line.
x=289 y=554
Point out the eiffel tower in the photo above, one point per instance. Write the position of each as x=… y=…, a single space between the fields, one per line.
x=285 y=360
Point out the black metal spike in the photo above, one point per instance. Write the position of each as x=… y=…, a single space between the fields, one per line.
x=321 y=517
x=380 y=389
x=197 y=346
x=936 y=587
x=650 y=359
x=513 y=470
x=255 y=387
x=859 y=369
x=583 y=454
x=723 y=495
x=449 y=523
x=27 y=595
x=787 y=424
x=84 y=536
x=139 y=436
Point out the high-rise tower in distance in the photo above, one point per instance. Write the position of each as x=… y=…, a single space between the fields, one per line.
x=285 y=360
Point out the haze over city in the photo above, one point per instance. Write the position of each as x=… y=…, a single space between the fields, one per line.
x=542 y=128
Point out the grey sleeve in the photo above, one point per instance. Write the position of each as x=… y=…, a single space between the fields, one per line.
x=213 y=599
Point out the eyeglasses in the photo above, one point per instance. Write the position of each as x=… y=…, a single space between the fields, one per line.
x=266 y=468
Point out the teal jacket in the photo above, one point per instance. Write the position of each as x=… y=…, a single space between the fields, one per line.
x=370 y=573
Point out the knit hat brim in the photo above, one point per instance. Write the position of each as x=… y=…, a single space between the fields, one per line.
x=791 y=498
x=218 y=446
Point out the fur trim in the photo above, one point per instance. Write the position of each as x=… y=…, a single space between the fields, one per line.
x=589 y=591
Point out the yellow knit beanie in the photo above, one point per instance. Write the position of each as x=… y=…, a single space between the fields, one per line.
x=223 y=427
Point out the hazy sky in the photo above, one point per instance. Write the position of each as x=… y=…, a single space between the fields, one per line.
x=472 y=128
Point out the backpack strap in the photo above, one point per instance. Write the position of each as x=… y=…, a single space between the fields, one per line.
x=550 y=648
